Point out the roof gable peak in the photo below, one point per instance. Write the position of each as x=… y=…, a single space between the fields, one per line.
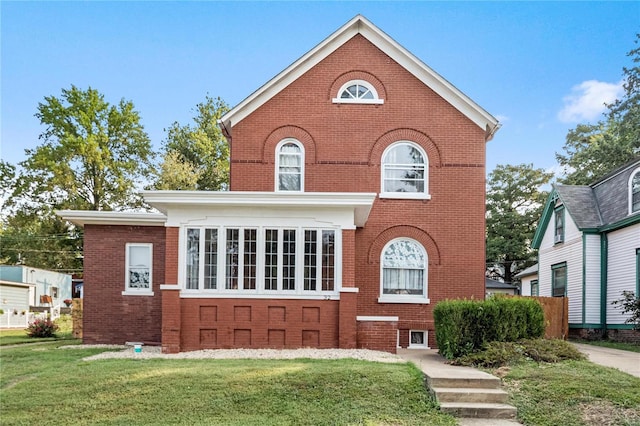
x=360 y=25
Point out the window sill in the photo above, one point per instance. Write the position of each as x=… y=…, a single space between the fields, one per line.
x=137 y=293
x=403 y=299
x=358 y=101
x=195 y=294
x=405 y=195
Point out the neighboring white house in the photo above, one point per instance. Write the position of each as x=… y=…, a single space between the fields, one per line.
x=589 y=250
x=529 y=281
x=492 y=287
x=36 y=283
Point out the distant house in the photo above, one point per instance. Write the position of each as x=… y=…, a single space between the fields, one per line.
x=529 y=281
x=41 y=287
x=498 y=287
x=356 y=203
x=589 y=250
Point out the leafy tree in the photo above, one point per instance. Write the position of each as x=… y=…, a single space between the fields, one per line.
x=593 y=150
x=201 y=146
x=94 y=154
x=176 y=173
x=32 y=237
x=514 y=204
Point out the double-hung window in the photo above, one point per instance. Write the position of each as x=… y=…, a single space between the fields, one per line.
x=261 y=260
x=404 y=171
x=559 y=280
x=559 y=225
x=289 y=166
x=535 y=289
x=139 y=269
x=634 y=192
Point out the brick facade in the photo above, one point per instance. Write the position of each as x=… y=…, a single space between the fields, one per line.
x=108 y=315
x=343 y=147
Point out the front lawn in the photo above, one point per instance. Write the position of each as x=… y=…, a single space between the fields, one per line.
x=16 y=336
x=572 y=393
x=47 y=385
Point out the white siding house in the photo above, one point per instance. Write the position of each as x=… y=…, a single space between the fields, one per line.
x=588 y=242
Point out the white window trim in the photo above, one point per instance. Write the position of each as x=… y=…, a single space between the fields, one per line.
x=277 y=162
x=404 y=298
x=132 y=291
x=259 y=292
x=630 y=192
x=425 y=345
x=375 y=101
x=405 y=195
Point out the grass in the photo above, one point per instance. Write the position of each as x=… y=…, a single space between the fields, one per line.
x=19 y=335
x=54 y=386
x=572 y=393
x=609 y=344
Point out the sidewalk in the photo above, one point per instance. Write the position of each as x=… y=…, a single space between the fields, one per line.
x=626 y=361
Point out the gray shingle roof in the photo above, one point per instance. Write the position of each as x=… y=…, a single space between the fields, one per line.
x=489 y=283
x=601 y=203
x=531 y=270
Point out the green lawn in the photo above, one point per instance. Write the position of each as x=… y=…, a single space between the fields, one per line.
x=573 y=393
x=609 y=344
x=45 y=385
x=19 y=335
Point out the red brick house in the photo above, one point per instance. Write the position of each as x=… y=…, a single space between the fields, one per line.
x=356 y=203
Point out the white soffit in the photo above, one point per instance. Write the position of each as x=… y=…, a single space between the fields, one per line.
x=360 y=25
x=91 y=217
x=360 y=203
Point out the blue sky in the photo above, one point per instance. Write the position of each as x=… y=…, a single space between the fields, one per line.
x=540 y=67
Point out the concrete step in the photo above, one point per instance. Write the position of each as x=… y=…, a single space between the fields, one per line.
x=470 y=395
x=479 y=410
x=484 y=382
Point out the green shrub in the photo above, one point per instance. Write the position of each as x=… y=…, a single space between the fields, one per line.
x=467 y=326
x=42 y=328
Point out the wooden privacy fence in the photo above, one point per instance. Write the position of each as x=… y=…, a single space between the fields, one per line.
x=556 y=316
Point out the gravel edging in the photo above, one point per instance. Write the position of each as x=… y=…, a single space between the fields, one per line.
x=154 y=352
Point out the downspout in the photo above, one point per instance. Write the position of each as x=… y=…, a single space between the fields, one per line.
x=603 y=283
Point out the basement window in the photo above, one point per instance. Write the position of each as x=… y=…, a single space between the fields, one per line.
x=418 y=339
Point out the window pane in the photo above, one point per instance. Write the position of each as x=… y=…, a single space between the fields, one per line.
x=328 y=260
x=139 y=266
x=210 y=258
x=193 y=258
x=289 y=182
x=310 y=259
x=404 y=170
x=404 y=263
x=635 y=193
x=559 y=281
x=231 y=275
x=250 y=257
x=289 y=259
x=404 y=154
x=271 y=259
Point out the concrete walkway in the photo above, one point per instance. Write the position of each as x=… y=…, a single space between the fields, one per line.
x=434 y=365
x=626 y=361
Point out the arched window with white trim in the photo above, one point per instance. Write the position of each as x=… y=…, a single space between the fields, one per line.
x=634 y=192
x=290 y=166
x=405 y=168
x=358 y=92
x=404 y=272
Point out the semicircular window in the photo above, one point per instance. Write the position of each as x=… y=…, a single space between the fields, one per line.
x=357 y=91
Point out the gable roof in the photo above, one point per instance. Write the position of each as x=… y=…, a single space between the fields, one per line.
x=531 y=270
x=360 y=25
x=601 y=206
x=489 y=283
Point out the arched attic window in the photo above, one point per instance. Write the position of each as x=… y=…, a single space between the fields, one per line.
x=357 y=92
x=634 y=192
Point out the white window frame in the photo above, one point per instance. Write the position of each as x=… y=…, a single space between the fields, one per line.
x=404 y=195
x=340 y=100
x=128 y=291
x=260 y=292
x=277 y=162
x=424 y=345
x=635 y=173
x=405 y=298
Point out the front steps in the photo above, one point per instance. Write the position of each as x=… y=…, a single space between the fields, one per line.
x=476 y=397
